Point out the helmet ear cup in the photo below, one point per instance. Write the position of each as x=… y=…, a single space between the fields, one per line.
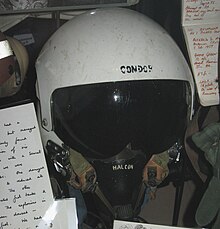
x=19 y=69
x=7 y=63
x=21 y=56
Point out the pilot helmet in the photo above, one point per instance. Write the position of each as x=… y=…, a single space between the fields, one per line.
x=13 y=65
x=113 y=77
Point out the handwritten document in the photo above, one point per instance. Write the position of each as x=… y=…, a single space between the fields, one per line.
x=25 y=195
x=118 y=224
x=200 y=11
x=201 y=27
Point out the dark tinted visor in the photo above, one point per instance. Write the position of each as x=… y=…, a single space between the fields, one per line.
x=99 y=120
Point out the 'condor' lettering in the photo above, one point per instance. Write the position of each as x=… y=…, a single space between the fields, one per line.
x=136 y=69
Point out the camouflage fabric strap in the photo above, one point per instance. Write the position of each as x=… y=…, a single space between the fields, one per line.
x=83 y=175
x=155 y=171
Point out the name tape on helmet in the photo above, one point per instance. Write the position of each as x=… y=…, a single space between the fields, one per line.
x=5 y=49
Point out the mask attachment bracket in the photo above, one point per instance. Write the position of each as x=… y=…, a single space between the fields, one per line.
x=59 y=157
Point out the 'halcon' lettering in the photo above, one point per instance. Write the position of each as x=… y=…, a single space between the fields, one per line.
x=122 y=167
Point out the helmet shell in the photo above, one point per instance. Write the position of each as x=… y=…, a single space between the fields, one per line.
x=107 y=45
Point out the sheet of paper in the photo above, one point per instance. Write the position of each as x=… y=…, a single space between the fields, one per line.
x=202 y=42
x=196 y=12
x=131 y=225
x=60 y=215
x=201 y=27
x=25 y=193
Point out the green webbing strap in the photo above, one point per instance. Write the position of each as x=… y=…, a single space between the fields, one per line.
x=83 y=175
x=162 y=160
x=104 y=200
x=78 y=162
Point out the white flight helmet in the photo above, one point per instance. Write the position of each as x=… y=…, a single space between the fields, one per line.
x=107 y=47
x=13 y=65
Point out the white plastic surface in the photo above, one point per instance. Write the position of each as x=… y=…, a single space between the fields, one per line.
x=107 y=45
